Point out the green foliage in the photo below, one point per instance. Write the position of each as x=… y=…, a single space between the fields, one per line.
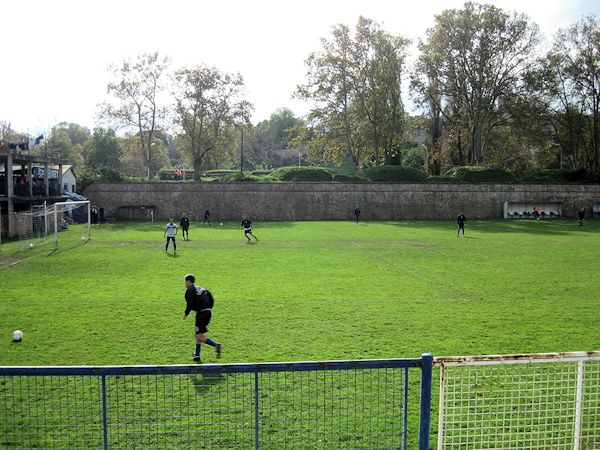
x=343 y=178
x=84 y=180
x=220 y=172
x=415 y=157
x=470 y=68
x=268 y=137
x=305 y=173
x=559 y=176
x=394 y=173
x=261 y=172
x=109 y=175
x=78 y=134
x=208 y=105
x=135 y=90
x=237 y=176
x=104 y=151
x=354 y=83
x=442 y=179
x=58 y=145
x=481 y=174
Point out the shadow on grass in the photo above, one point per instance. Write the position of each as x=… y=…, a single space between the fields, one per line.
x=152 y=227
x=203 y=383
x=541 y=227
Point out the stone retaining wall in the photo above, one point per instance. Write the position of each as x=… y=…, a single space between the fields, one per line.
x=335 y=201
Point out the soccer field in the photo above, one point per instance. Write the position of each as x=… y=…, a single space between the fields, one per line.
x=307 y=291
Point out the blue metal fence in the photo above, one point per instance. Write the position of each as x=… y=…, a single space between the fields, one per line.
x=330 y=404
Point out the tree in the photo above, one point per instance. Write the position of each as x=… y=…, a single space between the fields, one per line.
x=329 y=86
x=570 y=90
x=470 y=63
x=78 y=134
x=354 y=82
x=136 y=91
x=58 y=145
x=105 y=151
x=208 y=103
x=378 y=59
x=271 y=135
x=8 y=134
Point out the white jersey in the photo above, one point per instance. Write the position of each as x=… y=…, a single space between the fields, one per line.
x=171 y=230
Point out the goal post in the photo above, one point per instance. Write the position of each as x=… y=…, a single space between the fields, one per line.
x=66 y=213
x=544 y=400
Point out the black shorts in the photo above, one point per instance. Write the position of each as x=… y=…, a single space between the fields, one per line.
x=248 y=231
x=461 y=225
x=169 y=238
x=202 y=321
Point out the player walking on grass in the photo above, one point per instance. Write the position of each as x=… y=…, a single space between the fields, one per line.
x=247 y=226
x=461 y=219
x=200 y=300
x=357 y=215
x=184 y=223
x=170 y=233
x=206 y=218
x=581 y=215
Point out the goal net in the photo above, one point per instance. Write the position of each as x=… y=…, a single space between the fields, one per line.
x=72 y=223
x=52 y=226
x=32 y=226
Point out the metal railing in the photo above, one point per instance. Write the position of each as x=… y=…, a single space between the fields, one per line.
x=330 y=404
x=547 y=400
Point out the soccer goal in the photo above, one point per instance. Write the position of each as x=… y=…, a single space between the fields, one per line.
x=61 y=223
x=72 y=222
x=547 y=400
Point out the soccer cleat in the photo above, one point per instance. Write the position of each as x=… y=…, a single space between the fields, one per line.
x=218 y=349
x=195 y=358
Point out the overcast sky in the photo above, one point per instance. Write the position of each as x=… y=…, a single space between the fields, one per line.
x=56 y=53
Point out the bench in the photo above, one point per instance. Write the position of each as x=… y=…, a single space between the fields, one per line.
x=524 y=210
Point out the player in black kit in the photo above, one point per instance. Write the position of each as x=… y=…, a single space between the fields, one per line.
x=206 y=218
x=200 y=300
x=461 y=219
x=184 y=223
x=247 y=226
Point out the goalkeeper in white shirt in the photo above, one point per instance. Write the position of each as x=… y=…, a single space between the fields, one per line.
x=170 y=233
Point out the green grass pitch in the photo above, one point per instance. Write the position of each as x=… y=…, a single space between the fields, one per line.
x=306 y=291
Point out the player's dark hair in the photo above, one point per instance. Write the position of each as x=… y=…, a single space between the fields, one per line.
x=191 y=278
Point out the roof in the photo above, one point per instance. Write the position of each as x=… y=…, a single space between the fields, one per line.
x=74 y=196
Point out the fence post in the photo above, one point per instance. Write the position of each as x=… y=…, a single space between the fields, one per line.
x=578 y=405
x=405 y=437
x=425 y=419
x=104 y=415
x=256 y=410
x=440 y=435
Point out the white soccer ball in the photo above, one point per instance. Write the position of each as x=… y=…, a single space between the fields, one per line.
x=30 y=245
x=221 y=223
x=17 y=335
x=83 y=238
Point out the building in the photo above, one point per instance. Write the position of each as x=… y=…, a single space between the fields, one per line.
x=69 y=180
x=25 y=181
